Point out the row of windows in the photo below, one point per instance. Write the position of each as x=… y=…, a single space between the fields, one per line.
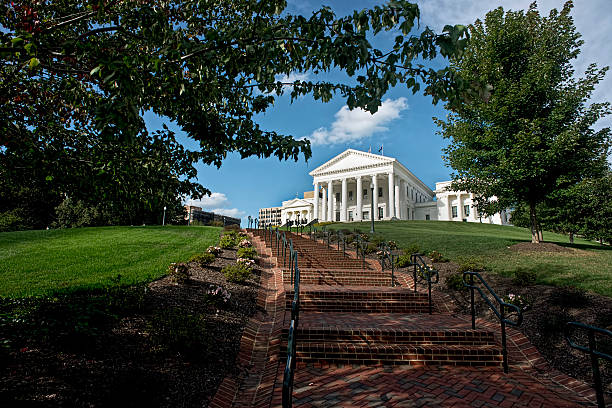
x=466 y=211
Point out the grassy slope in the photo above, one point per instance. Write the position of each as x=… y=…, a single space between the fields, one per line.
x=42 y=262
x=590 y=268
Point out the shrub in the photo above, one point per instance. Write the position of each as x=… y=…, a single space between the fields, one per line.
x=249 y=263
x=471 y=264
x=455 y=282
x=437 y=257
x=13 y=220
x=227 y=242
x=569 y=296
x=413 y=248
x=245 y=243
x=215 y=250
x=403 y=261
x=179 y=272
x=523 y=302
x=75 y=214
x=371 y=248
x=217 y=296
x=203 y=259
x=392 y=245
x=237 y=273
x=524 y=277
x=554 y=322
x=175 y=330
x=249 y=253
x=377 y=240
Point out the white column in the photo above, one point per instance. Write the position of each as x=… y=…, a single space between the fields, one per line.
x=324 y=205
x=316 y=200
x=459 y=207
x=391 y=205
x=403 y=200
x=359 y=211
x=330 y=201
x=344 y=200
x=450 y=207
x=375 y=196
x=398 y=211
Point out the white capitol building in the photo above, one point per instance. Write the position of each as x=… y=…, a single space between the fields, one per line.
x=343 y=189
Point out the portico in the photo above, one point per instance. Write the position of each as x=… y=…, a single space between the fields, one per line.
x=345 y=187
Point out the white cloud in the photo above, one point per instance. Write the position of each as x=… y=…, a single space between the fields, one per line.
x=217 y=203
x=293 y=76
x=230 y=212
x=358 y=124
x=215 y=200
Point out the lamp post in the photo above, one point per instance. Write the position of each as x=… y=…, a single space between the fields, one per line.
x=372 y=209
x=164 y=218
x=298 y=223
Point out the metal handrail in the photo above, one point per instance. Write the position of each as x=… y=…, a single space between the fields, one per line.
x=360 y=246
x=424 y=272
x=594 y=354
x=289 y=372
x=500 y=313
x=387 y=258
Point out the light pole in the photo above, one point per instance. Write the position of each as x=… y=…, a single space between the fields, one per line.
x=164 y=218
x=372 y=209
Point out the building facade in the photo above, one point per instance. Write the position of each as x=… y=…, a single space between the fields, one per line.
x=270 y=215
x=348 y=186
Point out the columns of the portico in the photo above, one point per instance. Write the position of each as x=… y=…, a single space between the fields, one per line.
x=391 y=206
x=403 y=200
x=375 y=196
x=358 y=211
x=398 y=211
x=316 y=200
x=459 y=207
x=344 y=200
x=330 y=200
x=324 y=205
x=449 y=200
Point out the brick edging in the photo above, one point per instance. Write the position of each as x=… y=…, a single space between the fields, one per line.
x=258 y=357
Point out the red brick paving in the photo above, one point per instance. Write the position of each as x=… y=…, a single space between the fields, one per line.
x=530 y=383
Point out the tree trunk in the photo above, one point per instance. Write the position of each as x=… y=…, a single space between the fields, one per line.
x=536 y=234
x=571 y=237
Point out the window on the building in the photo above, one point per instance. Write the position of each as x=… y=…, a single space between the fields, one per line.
x=454 y=211
x=380 y=213
x=320 y=194
x=365 y=193
x=407 y=191
x=466 y=210
x=380 y=192
x=351 y=195
x=366 y=215
x=426 y=217
x=337 y=196
x=350 y=216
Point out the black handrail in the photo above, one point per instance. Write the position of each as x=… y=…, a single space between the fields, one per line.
x=289 y=372
x=387 y=258
x=424 y=272
x=500 y=313
x=594 y=354
x=360 y=246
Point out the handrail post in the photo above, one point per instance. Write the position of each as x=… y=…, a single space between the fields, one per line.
x=472 y=307
x=502 y=312
x=414 y=271
x=596 y=373
x=392 y=272
x=429 y=288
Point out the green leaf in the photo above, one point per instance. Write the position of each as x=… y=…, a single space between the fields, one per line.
x=34 y=62
x=95 y=70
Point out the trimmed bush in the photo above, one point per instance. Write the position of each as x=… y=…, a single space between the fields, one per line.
x=524 y=277
x=437 y=257
x=227 y=242
x=403 y=261
x=471 y=264
x=245 y=243
x=203 y=259
x=569 y=296
x=455 y=282
x=179 y=272
x=250 y=253
x=215 y=250
x=237 y=273
x=412 y=249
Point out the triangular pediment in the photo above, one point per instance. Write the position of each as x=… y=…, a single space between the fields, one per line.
x=351 y=160
x=296 y=202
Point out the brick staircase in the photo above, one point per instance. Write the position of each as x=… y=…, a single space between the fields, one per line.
x=351 y=314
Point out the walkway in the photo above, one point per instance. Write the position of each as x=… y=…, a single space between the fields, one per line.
x=362 y=342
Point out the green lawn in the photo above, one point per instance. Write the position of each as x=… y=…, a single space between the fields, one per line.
x=590 y=268
x=44 y=262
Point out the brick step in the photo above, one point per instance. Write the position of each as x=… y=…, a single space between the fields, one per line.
x=390 y=336
x=359 y=300
x=344 y=277
x=400 y=354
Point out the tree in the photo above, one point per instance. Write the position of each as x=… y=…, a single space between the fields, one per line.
x=528 y=131
x=77 y=76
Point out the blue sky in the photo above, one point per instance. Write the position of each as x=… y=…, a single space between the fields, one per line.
x=403 y=125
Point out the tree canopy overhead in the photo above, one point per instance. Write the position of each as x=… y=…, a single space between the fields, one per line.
x=529 y=131
x=77 y=77
x=208 y=65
